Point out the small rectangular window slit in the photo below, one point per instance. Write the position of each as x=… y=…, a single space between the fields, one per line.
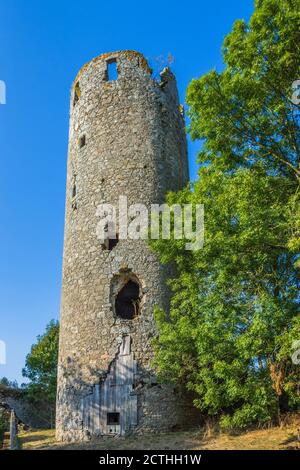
x=112 y=70
x=82 y=141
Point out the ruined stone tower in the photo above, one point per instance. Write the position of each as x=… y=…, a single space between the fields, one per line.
x=126 y=138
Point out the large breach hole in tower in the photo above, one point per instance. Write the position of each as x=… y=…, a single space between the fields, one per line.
x=128 y=300
x=112 y=70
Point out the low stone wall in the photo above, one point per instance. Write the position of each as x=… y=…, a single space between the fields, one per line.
x=26 y=413
x=163 y=408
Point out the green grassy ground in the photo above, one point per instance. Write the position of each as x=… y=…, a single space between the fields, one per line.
x=275 y=438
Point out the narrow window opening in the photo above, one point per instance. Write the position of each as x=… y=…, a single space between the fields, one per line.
x=77 y=93
x=82 y=141
x=74 y=193
x=113 y=418
x=109 y=243
x=74 y=188
x=112 y=70
x=112 y=242
x=127 y=302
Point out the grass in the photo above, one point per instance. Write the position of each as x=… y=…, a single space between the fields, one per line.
x=275 y=438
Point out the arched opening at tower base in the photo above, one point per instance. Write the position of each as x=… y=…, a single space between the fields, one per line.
x=127 y=302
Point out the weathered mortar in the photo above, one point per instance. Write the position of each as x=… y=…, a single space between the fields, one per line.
x=135 y=145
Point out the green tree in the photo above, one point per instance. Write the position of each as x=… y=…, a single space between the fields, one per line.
x=5 y=383
x=235 y=306
x=41 y=370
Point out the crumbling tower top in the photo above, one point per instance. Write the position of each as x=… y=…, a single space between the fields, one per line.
x=130 y=55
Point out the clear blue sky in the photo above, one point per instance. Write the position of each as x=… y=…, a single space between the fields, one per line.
x=42 y=46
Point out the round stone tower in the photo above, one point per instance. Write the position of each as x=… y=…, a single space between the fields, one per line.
x=126 y=138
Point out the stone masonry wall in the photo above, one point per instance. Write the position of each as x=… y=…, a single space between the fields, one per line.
x=134 y=145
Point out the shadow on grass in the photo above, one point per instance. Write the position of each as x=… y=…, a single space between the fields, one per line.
x=40 y=440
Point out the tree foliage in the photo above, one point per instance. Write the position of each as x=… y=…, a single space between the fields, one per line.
x=5 y=383
x=235 y=306
x=41 y=365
